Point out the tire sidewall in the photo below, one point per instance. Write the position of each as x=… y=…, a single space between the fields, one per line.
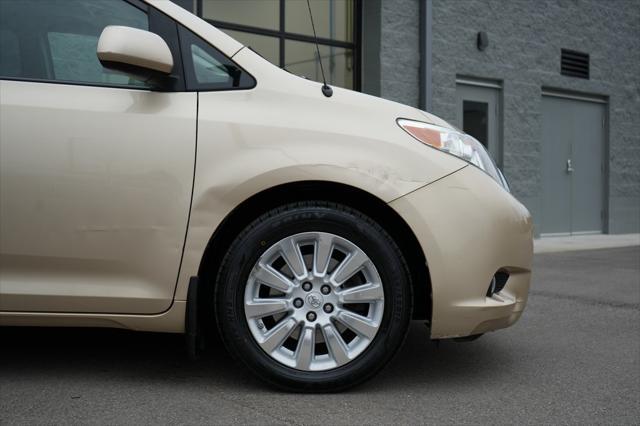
x=348 y=224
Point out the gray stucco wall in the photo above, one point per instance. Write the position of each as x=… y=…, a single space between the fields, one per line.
x=400 y=51
x=391 y=50
x=525 y=39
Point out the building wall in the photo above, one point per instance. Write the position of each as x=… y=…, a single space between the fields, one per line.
x=525 y=38
x=391 y=50
x=400 y=51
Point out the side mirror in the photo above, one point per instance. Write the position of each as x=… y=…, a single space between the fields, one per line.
x=135 y=52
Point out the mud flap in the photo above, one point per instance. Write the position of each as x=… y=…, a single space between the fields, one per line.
x=191 y=320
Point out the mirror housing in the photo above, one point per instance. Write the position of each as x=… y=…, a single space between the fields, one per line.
x=136 y=52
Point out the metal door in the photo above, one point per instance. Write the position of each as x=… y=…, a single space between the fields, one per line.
x=572 y=165
x=478 y=112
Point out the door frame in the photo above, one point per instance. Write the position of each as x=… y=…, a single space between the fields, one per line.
x=499 y=125
x=599 y=99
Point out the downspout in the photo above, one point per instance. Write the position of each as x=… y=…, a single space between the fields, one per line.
x=332 y=36
x=426 y=63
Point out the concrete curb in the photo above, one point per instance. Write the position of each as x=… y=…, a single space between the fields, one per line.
x=584 y=242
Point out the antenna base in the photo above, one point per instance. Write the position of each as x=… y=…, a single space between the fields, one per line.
x=327 y=90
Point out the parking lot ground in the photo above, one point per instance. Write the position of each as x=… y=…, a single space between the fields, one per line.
x=574 y=357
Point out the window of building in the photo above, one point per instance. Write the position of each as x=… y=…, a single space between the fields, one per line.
x=280 y=31
x=475 y=120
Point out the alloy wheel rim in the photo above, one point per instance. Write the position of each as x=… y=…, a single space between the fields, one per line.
x=314 y=301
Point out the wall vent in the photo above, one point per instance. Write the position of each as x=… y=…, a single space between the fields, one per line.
x=574 y=64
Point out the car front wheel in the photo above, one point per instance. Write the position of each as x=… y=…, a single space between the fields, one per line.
x=313 y=296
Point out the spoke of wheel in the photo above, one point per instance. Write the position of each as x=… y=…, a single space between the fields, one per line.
x=362 y=294
x=277 y=335
x=267 y=275
x=293 y=257
x=349 y=266
x=337 y=347
x=322 y=254
x=306 y=346
x=259 y=308
x=361 y=325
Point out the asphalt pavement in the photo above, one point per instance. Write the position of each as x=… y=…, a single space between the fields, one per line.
x=573 y=358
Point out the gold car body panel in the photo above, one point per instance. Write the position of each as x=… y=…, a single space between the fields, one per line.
x=285 y=131
x=469 y=229
x=170 y=321
x=95 y=187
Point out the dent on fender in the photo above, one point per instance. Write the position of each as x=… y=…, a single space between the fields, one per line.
x=213 y=203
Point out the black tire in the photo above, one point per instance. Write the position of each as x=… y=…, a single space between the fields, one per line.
x=316 y=216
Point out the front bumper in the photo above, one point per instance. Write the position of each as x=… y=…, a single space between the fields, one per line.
x=469 y=229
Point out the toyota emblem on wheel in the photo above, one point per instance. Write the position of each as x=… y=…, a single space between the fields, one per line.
x=314 y=300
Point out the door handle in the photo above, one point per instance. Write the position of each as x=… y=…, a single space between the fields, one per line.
x=569 y=166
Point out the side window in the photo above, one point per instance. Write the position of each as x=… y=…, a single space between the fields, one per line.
x=10 y=60
x=208 y=69
x=56 y=40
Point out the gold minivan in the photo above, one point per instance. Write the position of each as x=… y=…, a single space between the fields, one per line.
x=157 y=175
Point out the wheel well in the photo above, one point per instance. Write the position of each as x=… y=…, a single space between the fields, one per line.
x=355 y=198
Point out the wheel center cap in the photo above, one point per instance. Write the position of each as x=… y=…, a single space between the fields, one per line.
x=315 y=300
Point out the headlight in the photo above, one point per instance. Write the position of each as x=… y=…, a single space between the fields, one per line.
x=455 y=143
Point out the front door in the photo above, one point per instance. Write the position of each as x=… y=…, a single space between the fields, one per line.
x=572 y=166
x=478 y=114
x=96 y=169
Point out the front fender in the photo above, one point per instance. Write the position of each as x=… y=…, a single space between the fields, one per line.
x=250 y=141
